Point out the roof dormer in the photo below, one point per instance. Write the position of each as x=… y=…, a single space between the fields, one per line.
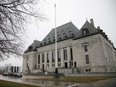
x=85 y=31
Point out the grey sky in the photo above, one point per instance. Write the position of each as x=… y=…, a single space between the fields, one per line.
x=102 y=11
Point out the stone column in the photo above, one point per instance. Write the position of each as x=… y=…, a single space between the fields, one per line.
x=45 y=60
x=13 y=69
x=37 y=62
x=68 y=56
x=40 y=60
x=50 y=60
x=62 y=58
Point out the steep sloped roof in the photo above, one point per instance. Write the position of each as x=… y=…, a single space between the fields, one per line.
x=90 y=28
x=64 y=32
x=33 y=46
x=68 y=31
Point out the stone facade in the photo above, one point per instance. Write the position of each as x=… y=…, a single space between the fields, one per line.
x=82 y=51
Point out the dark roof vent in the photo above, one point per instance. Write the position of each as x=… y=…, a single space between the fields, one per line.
x=59 y=38
x=44 y=43
x=71 y=35
x=40 y=44
x=53 y=36
x=49 y=41
x=65 y=37
x=70 y=31
x=30 y=47
x=53 y=40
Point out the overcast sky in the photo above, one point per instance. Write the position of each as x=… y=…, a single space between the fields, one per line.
x=103 y=13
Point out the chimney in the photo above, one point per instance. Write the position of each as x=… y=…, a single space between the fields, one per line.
x=98 y=27
x=91 y=21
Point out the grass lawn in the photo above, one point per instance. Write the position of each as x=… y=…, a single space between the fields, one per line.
x=80 y=79
x=84 y=78
x=13 y=84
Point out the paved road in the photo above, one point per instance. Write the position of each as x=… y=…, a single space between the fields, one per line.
x=103 y=83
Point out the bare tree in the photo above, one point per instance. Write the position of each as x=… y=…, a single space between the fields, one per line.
x=13 y=14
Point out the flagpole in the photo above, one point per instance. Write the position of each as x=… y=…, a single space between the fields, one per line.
x=56 y=59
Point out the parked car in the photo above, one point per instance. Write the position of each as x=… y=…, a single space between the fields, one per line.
x=17 y=75
x=10 y=74
x=5 y=74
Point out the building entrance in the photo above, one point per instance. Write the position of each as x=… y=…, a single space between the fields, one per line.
x=66 y=65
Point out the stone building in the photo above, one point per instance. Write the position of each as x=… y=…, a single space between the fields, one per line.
x=87 y=50
x=8 y=68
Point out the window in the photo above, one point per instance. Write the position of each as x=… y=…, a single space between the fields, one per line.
x=59 y=64
x=42 y=57
x=85 y=31
x=38 y=59
x=47 y=57
x=87 y=59
x=75 y=64
x=71 y=53
x=71 y=35
x=53 y=56
x=59 y=55
x=17 y=69
x=88 y=70
x=65 y=54
x=85 y=48
x=65 y=36
x=14 y=69
x=53 y=65
x=43 y=66
x=11 y=68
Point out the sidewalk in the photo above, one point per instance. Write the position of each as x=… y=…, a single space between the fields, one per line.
x=19 y=80
x=102 y=83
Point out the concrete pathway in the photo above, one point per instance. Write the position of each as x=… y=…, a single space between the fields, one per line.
x=103 y=83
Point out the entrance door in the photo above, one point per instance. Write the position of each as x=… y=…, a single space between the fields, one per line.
x=75 y=64
x=66 y=65
x=43 y=66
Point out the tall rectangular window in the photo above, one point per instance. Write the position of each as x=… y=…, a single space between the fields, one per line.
x=42 y=57
x=59 y=55
x=53 y=56
x=71 y=53
x=87 y=59
x=65 y=54
x=85 y=48
x=47 y=57
x=38 y=59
